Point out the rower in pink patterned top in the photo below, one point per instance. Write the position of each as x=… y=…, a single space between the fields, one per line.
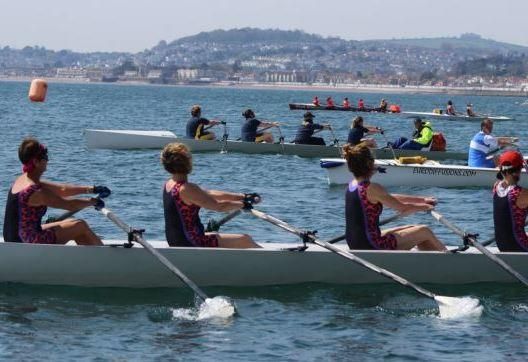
x=30 y=196
x=364 y=201
x=182 y=201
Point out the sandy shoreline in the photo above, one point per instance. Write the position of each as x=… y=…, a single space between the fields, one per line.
x=340 y=88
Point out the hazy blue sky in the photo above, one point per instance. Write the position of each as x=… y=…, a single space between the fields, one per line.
x=131 y=25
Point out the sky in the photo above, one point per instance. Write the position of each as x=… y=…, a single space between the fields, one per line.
x=135 y=25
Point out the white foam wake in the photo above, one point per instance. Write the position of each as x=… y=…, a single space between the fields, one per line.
x=463 y=307
x=211 y=308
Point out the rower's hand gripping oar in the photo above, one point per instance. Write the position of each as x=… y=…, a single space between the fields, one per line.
x=102 y=191
x=136 y=235
x=471 y=239
x=445 y=304
x=389 y=144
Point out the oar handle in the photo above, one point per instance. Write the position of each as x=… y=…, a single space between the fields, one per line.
x=138 y=238
x=62 y=217
x=214 y=225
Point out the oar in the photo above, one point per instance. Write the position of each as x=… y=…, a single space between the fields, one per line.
x=61 y=217
x=471 y=239
x=138 y=238
x=382 y=222
x=336 y=140
x=382 y=132
x=214 y=225
x=444 y=303
x=281 y=139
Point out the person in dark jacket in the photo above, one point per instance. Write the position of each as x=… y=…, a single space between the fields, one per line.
x=357 y=133
x=306 y=130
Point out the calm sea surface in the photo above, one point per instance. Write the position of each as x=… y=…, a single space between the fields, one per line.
x=308 y=322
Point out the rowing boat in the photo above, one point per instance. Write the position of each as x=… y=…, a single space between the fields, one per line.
x=459 y=117
x=313 y=107
x=430 y=173
x=89 y=266
x=410 y=114
x=127 y=139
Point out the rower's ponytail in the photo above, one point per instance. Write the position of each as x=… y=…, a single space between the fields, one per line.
x=359 y=159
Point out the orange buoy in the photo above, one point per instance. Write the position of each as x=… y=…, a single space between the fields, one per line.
x=394 y=108
x=37 y=90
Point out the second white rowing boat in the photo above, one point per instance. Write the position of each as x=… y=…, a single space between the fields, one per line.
x=129 y=139
x=430 y=173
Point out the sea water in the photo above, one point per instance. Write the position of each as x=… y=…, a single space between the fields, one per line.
x=302 y=322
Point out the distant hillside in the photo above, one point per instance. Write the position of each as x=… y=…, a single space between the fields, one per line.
x=467 y=41
x=250 y=35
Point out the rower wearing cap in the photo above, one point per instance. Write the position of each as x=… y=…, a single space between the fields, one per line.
x=483 y=143
x=196 y=125
x=364 y=202
x=469 y=110
x=422 y=137
x=450 y=109
x=250 y=132
x=306 y=130
x=510 y=204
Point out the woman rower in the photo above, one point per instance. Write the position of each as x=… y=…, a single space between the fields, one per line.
x=182 y=201
x=510 y=204
x=250 y=132
x=30 y=196
x=306 y=130
x=357 y=132
x=364 y=204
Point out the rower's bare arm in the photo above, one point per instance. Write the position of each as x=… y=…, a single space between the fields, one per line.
x=504 y=141
x=414 y=199
x=193 y=194
x=66 y=190
x=45 y=197
x=224 y=195
x=377 y=193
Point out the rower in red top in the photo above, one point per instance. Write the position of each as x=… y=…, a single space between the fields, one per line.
x=330 y=102
x=316 y=101
x=361 y=105
x=346 y=103
x=510 y=204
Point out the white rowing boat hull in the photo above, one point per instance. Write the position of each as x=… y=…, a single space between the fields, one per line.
x=460 y=117
x=391 y=173
x=127 y=139
x=87 y=266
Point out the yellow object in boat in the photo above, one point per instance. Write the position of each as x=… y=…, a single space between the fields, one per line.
x=412 y=159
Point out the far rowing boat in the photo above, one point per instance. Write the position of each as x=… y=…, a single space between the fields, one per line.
x=313 y=107
x=89 y=266
x=458 y=117
x=128 y=139
x=431 y=173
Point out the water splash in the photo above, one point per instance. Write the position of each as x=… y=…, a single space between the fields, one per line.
x=454 y=308
x=211 y=308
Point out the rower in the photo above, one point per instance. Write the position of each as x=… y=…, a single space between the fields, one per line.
x=346 y=103
x=195 y=126
x=450 y=109
x=250 y=128
x=483 y=143
x=182 y=201
x=422 y=137
x=30 y=196
x=316 y=101
x=469 y=110
x=364 y=202
x=383 y=106
x=361 y=105
x=357 y=132
x=510 y=204
x=330 y=102
x=306 y=130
